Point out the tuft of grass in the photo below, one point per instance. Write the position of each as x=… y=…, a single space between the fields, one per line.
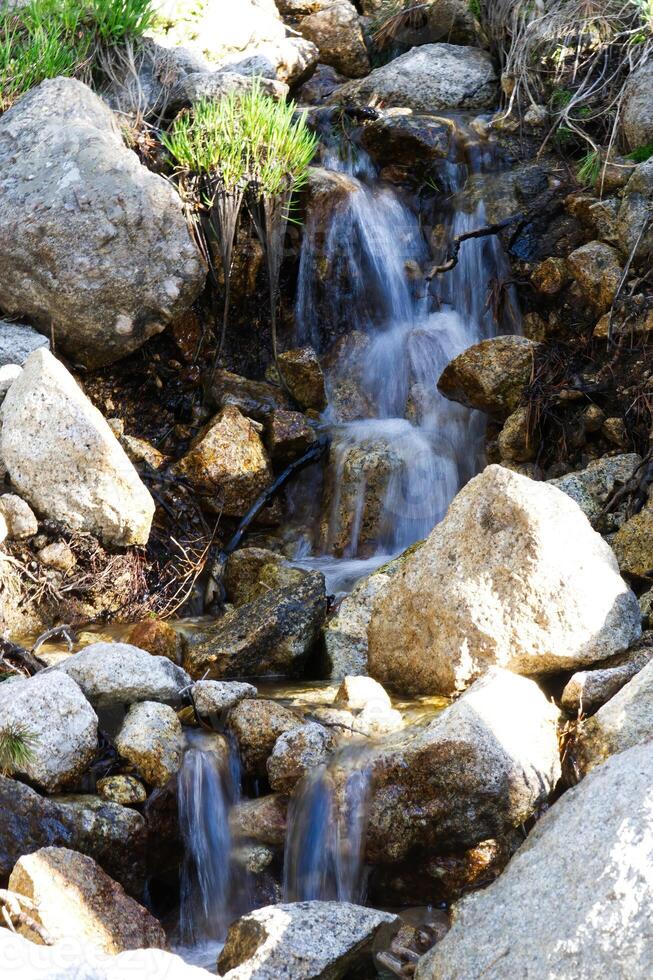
x=589 y=168
x=16 y=748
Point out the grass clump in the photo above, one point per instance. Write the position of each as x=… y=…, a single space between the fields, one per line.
x=243 y=148
x=48 y=38
x=16 y=749
x=641 y=154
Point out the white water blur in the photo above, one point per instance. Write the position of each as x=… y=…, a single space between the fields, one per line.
x=427 y=446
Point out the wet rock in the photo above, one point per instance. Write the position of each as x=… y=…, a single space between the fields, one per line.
x=296 y=752
x=156 y=637
x=429 y=78
x=64 y=459
x=151 y=740
x=636 y=114
x=573 y=901
x=481 y=767
x=322 y=83
x=302 y=940
x=213 y=698
x=633 y=543
x=227 y=464
x=126 y=790
x=120 y=674
x=77 y=902
x=625 y=720
x=199 y=85
x=490 y=376
x=516 y=442
x=336 y=31
x=263 y=819
x=19 y=517
x=18 y=341
x=358 y=692
x=256 y=725
x=632 y=234
x=272 y=634
x=593 y=487
x=288 y=435
x=597 y=270
x=587 y=690
x=58 y=723
x=254 y=858
x=377 y=719
x=255 y=399
x=501 y=580
x=303 y=375
x=111 y=834
x=407 y=138
x=68 y=180
x=252 y=572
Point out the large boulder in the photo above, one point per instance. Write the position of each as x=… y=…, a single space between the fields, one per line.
x=336 y=31
x=636 y=114
x=634 y=231
x=430 y=78
x=272 y=634
x=575 y=899
x=57 y=724
x=514 y=575
x=302 y=940
x=121 y=674
x=491 y=375
x=227 y=463
x=93 y=246
x=77 y=902
x=592 y=487
x=64 y=459
x=152 y=741
x=480 y=768
x=113 y=835
x=625 y=720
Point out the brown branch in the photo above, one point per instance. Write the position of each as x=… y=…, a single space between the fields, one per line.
x=454 y=249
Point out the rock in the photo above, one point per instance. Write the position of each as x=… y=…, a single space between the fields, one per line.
x=573 y=901
x=408 y=138
x=587 y=690
x=289 y=62
x=213 y=698
x=19 y=517
x=377 y=719
x=296 y=752
x=515 y=442
x=597 y=270
x=263 y=819
x=429 y=78
x=63 y=962
x=120 y=262
x=514 y=575
x=481 y=767
x=358 y=692
x=303 y=375
x=625 y=720
x=255 y=399
x=550 y=276
x=214 y=85
x=156 y=637
x=322 y=83
x=8 y=374
x=288 y=435
x=636 y=115
x=77 y=902
x=18 y=341
x=633 y=543
x=490 y=376
x=646 y=608
x=141 y=451
x=592 y=487
x=57 y=555
x=227 y=464
x=126 y=790
x=120 y=674
x=151 y=740
x=63 y=458
x=57 y=722
x=336 y=31
x=252 y=572
x=633 y=236
x=272 y=634
x=256 y=726
x=113 y=835
x=302 y=940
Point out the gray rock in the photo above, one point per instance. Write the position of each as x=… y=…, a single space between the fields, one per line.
x=296 y=752
x=302 y=940
x=17 y=341
x=119 y=674
x=19 y=516
x=8 y=374
x=289 y=62
x=273 y=634
x=636 y=114
x=587 y=690
x=408 y=138
x=480 y=768
x=64 y=459
x=336 y=31
x=92 y=243
x=212 y=698
x=515 y=576
x=632 y=234
x=574 y=901
x=429 y=78
x=216 y=84
x=60 y=724
x=592 y=487
x=151 y=740
x=114 y=835
x=625 y=720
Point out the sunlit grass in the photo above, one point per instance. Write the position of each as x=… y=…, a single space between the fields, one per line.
x=16 y=749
